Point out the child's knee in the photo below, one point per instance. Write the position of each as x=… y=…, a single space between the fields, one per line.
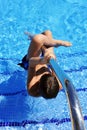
x=48 y=33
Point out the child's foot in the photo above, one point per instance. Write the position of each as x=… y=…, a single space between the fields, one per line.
x=66 y=43
x=30 y=35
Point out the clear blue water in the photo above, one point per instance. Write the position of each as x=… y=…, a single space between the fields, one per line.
x=68 y=21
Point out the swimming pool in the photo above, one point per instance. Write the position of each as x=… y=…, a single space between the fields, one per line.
x=68 y=21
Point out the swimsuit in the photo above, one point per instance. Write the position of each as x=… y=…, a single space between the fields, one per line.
x=25 y=63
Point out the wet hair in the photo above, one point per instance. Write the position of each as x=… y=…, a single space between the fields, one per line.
x=49 y=86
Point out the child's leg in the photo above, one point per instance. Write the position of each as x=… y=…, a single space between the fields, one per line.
x=48 y=33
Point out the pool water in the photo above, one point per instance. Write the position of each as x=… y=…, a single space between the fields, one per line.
x=68 y=21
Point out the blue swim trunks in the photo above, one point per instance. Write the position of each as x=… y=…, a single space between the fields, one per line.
x=25 y=64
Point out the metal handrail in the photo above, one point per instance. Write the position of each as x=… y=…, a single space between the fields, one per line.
x=73 y=102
